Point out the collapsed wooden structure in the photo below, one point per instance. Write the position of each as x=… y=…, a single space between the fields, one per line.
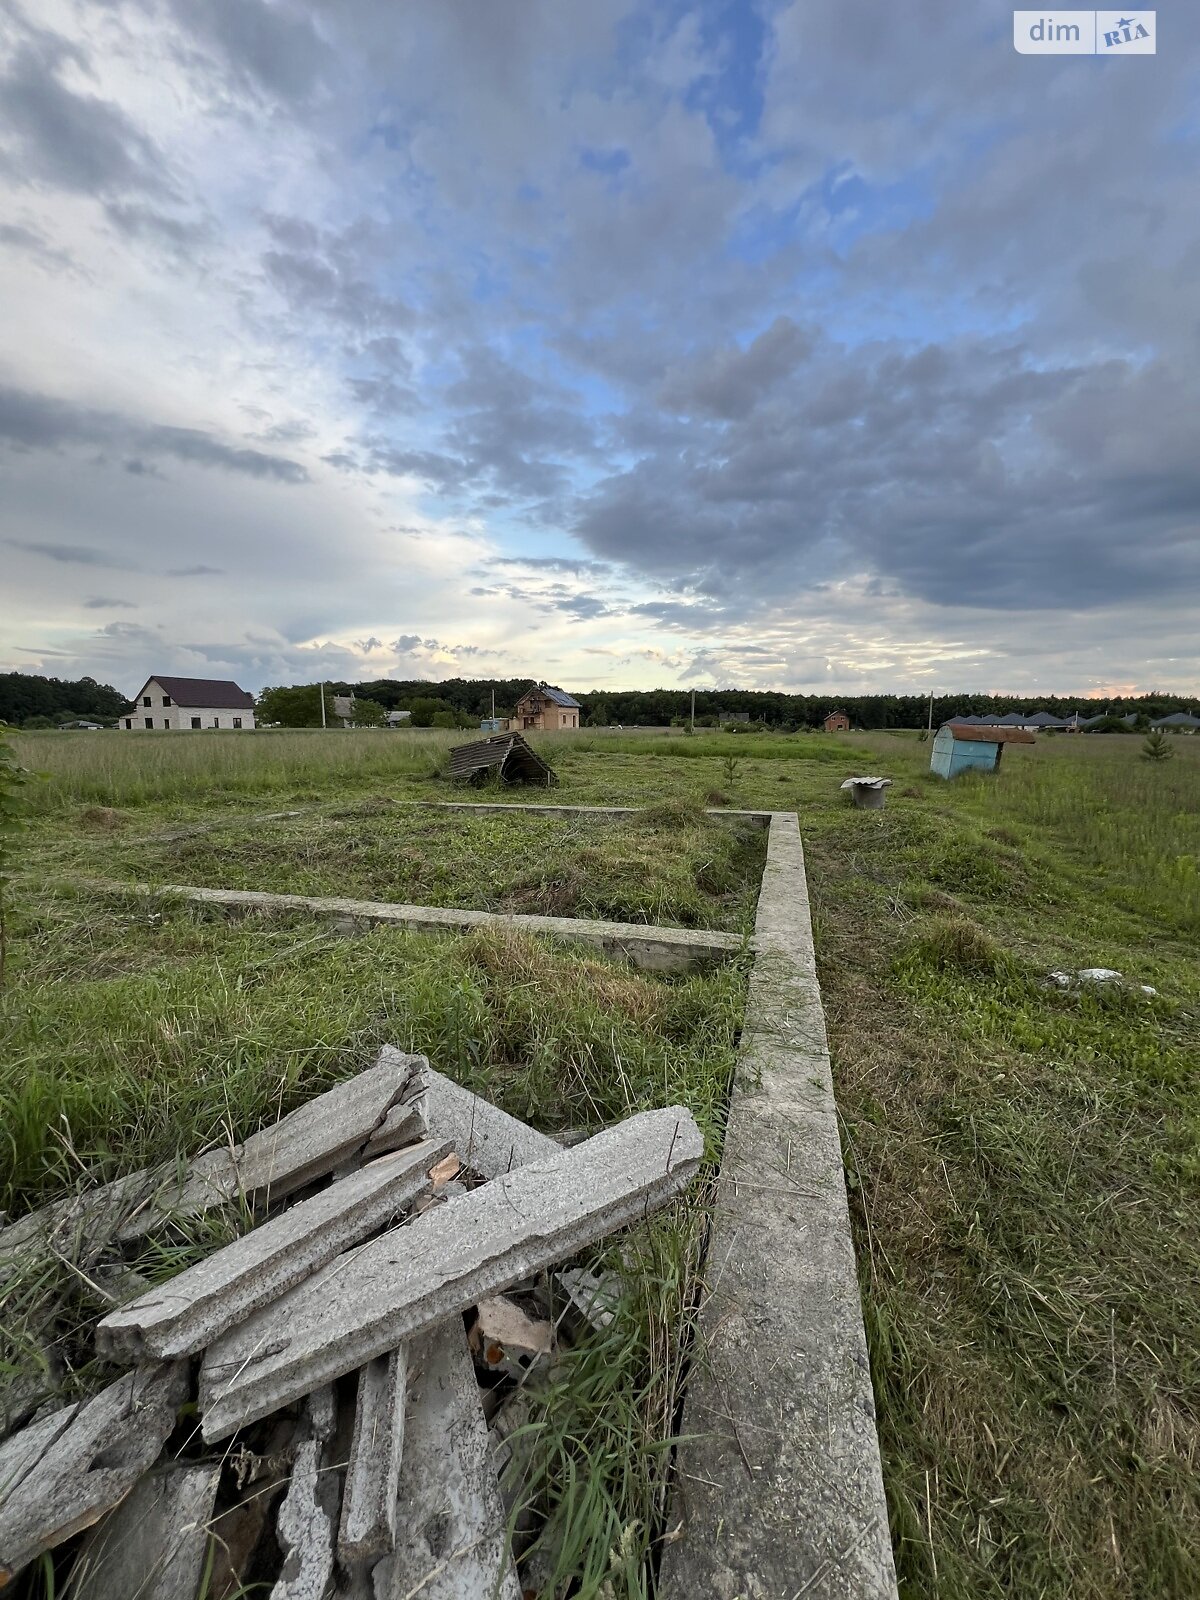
x=371 y=1341
x=506 y=754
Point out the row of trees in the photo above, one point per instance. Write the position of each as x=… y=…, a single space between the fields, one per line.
x=28 y=699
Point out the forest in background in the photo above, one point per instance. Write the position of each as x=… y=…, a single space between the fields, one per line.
x=27 y=699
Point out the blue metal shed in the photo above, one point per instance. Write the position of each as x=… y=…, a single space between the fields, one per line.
x=959 y=747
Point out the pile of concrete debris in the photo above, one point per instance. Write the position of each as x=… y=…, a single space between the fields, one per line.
x=361 y=1355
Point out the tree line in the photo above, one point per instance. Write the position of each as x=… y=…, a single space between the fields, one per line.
x=27 y=699
x=464 y=702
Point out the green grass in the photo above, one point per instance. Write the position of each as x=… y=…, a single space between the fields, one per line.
x=669 y=864
x=1022 y=1163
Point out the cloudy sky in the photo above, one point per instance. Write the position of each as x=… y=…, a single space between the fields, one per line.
x=828 y=345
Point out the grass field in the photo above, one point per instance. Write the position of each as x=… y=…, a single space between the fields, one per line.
x=668 y=864
x=1022 y=1159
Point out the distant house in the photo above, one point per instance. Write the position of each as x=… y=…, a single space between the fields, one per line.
x=1096 y=724
x=397 y=719
x=188 y=704
x=343 y=708
x=545 y=708
x=89 y=727
x=837 y=722
x=1181 y=720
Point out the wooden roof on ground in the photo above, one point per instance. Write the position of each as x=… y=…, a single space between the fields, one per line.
x=989 y=733
x=516 y=761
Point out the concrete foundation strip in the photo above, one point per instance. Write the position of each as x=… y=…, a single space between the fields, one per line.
x=778 y=1484
x=653 y=949
x=367 y=1302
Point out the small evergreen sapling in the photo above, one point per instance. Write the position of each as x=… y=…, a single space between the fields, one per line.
x=1156 y=747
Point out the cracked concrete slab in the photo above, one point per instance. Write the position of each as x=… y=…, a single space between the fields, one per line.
x=452 y=1542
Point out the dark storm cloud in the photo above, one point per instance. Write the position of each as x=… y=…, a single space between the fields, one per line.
x=332 y=275
x=259 y=46
x=105 y=603
x=730 y=383
x=68 y=139
x=925 y=468
x=70 y=554
x=38 y=421
x=194 y=572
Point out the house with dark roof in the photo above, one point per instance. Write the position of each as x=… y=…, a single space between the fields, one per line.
x=546 y=708
x=187 y=705
x=1180 y=721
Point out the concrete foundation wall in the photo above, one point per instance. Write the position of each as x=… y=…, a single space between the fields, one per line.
x=781 y=1495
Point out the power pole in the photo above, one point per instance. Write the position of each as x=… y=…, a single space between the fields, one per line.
x=931 y=711
x=693 y=710
x=321 y=692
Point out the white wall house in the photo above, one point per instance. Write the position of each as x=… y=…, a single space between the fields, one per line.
x=188 y=705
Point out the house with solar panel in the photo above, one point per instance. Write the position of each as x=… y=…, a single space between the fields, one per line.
x=546 y=709
x=187 y=705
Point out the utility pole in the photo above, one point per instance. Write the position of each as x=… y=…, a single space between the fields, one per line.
x=931 y=712
x=693 y=710
x=321 y=692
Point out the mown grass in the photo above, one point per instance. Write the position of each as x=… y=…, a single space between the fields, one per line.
x=668 y=864
x=1022 y=1160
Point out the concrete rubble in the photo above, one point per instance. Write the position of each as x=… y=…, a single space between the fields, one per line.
x=360 y=1305
x=356 y=1340
x=188 y=1313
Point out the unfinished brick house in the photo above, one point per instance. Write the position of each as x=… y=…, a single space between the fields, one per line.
x=837 y=722
x=545 y=708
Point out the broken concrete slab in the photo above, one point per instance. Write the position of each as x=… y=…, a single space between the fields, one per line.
x=279 y=1159
x=503 y=1339
x=306 y=1144
x=20 y=1453
x=778 y=1484
x=89 y=1466
x=407 y=1121
x=368 y=1301
x=307 y=1518
x=653 y=949
x=451 y=1539
x=485 y=1138
x=594 y=1295
x=185 y=1315
x=373 y=1471
x=153 y=1545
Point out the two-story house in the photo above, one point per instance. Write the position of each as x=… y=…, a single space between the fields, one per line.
x=187 y=704
x=544 y=707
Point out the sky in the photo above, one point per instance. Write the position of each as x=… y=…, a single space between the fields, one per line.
x=823 y=347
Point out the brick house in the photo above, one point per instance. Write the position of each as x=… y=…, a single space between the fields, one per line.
x=837 y=722
x=188 y=704
x=546 y=709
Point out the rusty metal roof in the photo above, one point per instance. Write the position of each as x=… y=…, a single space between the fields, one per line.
x=991 y=733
